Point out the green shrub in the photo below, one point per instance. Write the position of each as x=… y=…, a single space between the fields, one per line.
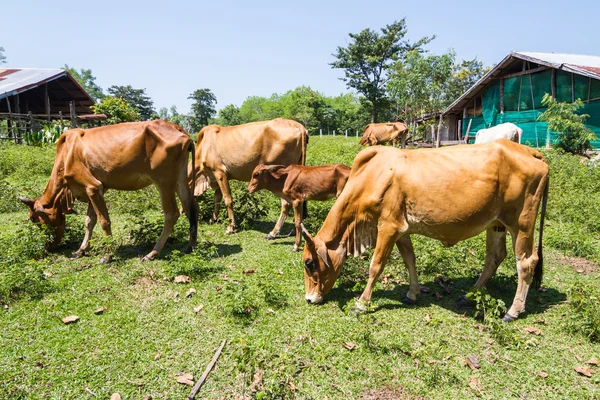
x=585 y=316
x=49 y=134
x=274 y=294
x=241 y=301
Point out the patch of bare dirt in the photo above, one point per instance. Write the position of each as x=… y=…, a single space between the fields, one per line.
x=389 y=393
x=579 y=264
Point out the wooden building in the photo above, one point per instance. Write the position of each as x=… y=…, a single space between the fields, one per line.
x=512 y=91
x=30 y=97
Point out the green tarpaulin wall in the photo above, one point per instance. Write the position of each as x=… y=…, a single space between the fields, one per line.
x=523 y=104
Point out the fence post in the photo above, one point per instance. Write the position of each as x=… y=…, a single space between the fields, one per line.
x=346 y=133
x=357 y=134
x=320 y=132
x=334 y=133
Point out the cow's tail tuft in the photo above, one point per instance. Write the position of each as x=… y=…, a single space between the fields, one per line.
x=539 y=268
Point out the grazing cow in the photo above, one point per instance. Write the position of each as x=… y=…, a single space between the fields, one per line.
x=503 y=131
x=126 y=156
x=392 y=194
x=385 y=132
x=297 y=183
x=232 y=152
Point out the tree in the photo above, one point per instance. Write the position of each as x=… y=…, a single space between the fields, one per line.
x=465 y=75
x=88 y=81
x=369 y=56
x=229 y=115
x=116 y=110
x=573 y=135
x=2 y=56
x=137 y=98
x=203 y=108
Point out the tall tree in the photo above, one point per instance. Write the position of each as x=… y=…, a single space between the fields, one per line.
x=203 y=108
x=116 y=110
x=137 y=98
x=368 y=57
x=229 y=115
x=466 y=74
x=87 y=81
x=2 y=56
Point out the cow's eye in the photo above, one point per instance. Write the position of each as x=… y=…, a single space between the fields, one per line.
x=309 y=264
x=256 y=174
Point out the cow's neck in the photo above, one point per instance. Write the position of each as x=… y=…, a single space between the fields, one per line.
x=54 y=189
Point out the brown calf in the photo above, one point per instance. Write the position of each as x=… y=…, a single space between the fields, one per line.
x=297 y=183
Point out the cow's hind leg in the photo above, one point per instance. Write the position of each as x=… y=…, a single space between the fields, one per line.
x=223 y=182
x=171 y=214
x=285 y=210
x=190 y=208
x=217 y=206
x=527 y=260
x=96 y=195
x=495 y=253
x=90 y=222
x=407 y=252
x=385 y=244
x=297 y=221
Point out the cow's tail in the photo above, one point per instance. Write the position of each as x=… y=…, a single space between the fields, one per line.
x=539 y=268
x=192 y=150
x=303 y=162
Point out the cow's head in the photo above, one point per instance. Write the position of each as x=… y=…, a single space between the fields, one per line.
x=52 y=215
x=322 y=267
x=263 y=175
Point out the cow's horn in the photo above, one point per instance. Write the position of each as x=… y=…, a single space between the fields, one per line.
x=41 y=209
x=306 y=235
x=28 y=202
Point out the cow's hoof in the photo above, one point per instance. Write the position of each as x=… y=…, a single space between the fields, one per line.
x=188 y=250
x=212 y=221
x=292 y=232
x=77 y=254
x=359 y=308
x=230 y=231
x=105 y=260
x=508 y=318
x=408 y=301
x=268 y=236
x=464 y=302
x=294 y=249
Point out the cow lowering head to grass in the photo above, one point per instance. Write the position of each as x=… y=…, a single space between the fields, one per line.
x=381 y=133
x=127 y=156
x=297 y=184
x=449 y=194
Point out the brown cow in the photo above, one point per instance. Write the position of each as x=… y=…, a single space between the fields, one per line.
x=127 y=156
x=385 y=132
x=232 y=152
x=298 y=183
x=392 y=194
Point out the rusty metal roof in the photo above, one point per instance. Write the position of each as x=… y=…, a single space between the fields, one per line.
x=18 y=80
x=576 y=63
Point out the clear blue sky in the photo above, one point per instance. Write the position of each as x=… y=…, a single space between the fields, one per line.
x=243 y=48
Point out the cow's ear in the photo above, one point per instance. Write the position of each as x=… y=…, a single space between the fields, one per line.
x=307 y=236
x=28 y=202
x=41 y=209
x=277 y=171
x=322 y=253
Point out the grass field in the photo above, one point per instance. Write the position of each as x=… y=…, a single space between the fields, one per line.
x=252 y=293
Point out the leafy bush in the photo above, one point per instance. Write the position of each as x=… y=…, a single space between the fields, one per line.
x=49 y=134
x=585 y=317
x=241 y=300
x=145 y=229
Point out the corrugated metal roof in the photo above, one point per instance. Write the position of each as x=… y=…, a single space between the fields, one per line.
x=17 y=80
x=579 y=64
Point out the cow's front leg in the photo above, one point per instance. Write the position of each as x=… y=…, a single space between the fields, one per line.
x=90 y=222
x=407 y=252
x=285 y=210
x=297 y=221
x=385 y=244
x=96 y=196
x=217 y=206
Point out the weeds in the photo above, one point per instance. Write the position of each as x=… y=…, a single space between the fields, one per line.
x=585 y=318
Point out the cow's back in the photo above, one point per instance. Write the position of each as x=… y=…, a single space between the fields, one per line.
x=239 y=149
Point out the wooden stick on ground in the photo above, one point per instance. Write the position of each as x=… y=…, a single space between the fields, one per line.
x=209 y=367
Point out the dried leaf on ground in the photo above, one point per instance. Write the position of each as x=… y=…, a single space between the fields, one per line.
x=199 y=308
x=542 y=374
x=593 y=361
x=115 y=396
x=182 y=279
x=280 y=271
x=270 y=311
x=349 y=345
x=70 y=319
x=424 y=289
x=186 y=379
x=473 y=362
x=100 y=310
x=148 y=397
x=218 y=287
x=190 y=292
x=475 y=385
x=249 y=271
x=225 y=277
x=532 y=330
x=256 y=381
x=157 y=357
x=585 y=370
x=427 y=318
x=578 y=358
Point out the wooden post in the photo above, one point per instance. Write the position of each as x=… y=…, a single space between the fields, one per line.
x=73 y=116
x=531 y=87
x=62 y=124
x=357 y=134
x=553 y=83
x=501 y=95
x=589 y=89
x=320 y=132
x=30 y=122
x=10 y=117
x=439 y=131
x=572 y=88
x=459 y=133
x=468 y=130
x=346 y=133
x=334 y=133
x=520 y=87
x=47 y=102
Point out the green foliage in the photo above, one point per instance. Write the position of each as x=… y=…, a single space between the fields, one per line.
x=88 y=81
x=274 y=293
x=136 y=98
x=229 y=115
x=173 y=115
x=49 y=134
x=573 y=135
x=145 y=229
x=368 y=57
x=116 y=110
x=486 y=306
x=203 y=108
x=585 y=316
x=465 y=74
x=241 y=300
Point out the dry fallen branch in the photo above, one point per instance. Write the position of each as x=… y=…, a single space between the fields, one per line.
x=209 y=367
